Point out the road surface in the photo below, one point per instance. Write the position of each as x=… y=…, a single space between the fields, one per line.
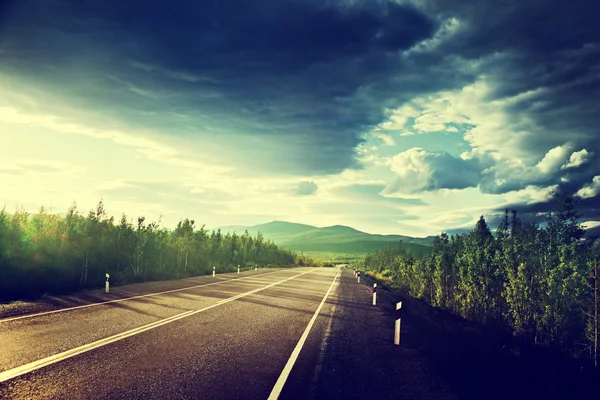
x=293 y=333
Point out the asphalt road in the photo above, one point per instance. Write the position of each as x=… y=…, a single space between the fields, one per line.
x=253 y=336
x=234 y=341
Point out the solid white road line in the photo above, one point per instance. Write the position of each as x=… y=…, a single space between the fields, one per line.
x=324 y=344
x=132 y=298
x=290 y=364
x=32 y=366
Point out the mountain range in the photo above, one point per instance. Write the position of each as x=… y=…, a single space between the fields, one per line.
x=333 y=239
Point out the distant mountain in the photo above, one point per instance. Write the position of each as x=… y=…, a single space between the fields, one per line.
x=335 y=239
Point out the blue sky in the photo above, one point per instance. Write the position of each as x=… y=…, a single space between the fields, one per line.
x=410 y=117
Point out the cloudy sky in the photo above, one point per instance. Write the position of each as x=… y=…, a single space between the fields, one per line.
x=390 y=116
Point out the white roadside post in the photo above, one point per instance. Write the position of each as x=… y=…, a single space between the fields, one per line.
x=358 y=277
x=213 y=272
x=398 y=318
x=238 y=269
x=107 y=285
x=255 y=267
x=374 y=294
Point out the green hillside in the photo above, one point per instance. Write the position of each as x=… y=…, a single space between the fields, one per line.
x=334 y=239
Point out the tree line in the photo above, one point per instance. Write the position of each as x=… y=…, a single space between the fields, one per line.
x=48 y=253
x=538 y=281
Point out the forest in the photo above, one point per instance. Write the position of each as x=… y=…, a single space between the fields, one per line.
x=46 y=253
x=536 y=281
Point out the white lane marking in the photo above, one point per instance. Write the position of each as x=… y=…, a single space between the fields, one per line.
x=134 y=297
x=32 y=366
x=324 y=344
x=290 y=364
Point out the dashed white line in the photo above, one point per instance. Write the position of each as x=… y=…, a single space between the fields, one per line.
x=32 y=366
x=131 y=298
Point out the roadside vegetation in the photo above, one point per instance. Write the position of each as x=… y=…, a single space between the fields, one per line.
x=538 y=282
x=334 y=258
x=47 y=254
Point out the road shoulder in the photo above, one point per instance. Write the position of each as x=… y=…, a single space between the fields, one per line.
x=359 y=359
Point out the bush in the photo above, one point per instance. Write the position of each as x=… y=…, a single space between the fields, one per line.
x=386 y=273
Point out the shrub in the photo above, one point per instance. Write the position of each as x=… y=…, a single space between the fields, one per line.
x=386 y=273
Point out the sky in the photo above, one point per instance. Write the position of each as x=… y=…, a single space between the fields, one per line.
x=410 y=117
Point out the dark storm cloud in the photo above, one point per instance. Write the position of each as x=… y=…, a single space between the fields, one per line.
x=313 y=75
x=551 y=46
x=588 y=209
x=549 y=50
x=322 y=71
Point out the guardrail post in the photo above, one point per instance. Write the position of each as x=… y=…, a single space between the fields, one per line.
x=374 y=294
x=398 y=319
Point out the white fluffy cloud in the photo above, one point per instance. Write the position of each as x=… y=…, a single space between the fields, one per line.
x=491 y=126
x=591 y=224
x=497 y=133
x=531 y=195
x=399 y=117
x=387 y=139
x=431 y=114
x=554 y=159
x=438 y=114
x=591 y=189
x=507 y=143
x=447 y=30
x=419 y=170
x=516 y=174
x=577 y=158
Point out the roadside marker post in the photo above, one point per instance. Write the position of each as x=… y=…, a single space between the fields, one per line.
x=238 y=269
x=398 y=318
x=374 y=294
x=358 y=279
x=213 y=272
x=107 y=285
x=255 y=267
